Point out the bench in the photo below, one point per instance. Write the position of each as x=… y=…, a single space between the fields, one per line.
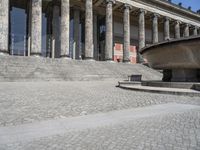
x=135 y=78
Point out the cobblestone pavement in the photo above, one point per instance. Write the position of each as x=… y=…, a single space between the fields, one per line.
x=24 y=103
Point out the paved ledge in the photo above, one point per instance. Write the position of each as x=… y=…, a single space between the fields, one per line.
x=162 y=90
x=180 y=85
x=29 y=132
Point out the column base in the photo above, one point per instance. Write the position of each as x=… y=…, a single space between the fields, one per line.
x=167 y=39
x=89 y=58
x=4 y=53
x=65 y=57
x=110 y=60
x=36 y=54
x=126 y=61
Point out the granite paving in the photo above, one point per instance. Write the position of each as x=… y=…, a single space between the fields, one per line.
x=29 y=103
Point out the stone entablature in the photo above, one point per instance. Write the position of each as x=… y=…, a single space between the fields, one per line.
x=176 y=8
x=181 y=15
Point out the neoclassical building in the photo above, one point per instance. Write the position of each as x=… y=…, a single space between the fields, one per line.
x=91 y=29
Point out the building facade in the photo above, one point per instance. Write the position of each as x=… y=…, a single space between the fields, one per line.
x=103 y=30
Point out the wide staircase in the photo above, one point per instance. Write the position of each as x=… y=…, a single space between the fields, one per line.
x=14 y=68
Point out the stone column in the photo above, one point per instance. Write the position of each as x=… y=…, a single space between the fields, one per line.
x=29 y=27
x=177 y=29
x=65 y=28
x=195 y=33
x=76 y=47
x=89 y=30
x=109 y=30
x=36 y=28
x=126 y=49
x=155 y=28
x=4 y=26
x=166 y=28
x=56 y=32
x=186 y=32
x=96 y=51
x=49 y=38
x=141 y=29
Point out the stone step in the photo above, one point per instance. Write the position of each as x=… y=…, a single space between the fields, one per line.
x=15 y=68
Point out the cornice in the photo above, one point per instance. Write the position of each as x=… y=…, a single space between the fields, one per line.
x=164 y=11
x=176 y=7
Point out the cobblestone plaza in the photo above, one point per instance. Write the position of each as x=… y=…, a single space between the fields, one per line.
x=33 y=119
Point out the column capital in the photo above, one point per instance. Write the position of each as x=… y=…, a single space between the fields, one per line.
x=155 y=15
x=187 y=25
x=177 y=22
x=111 y=1
x=127 y=6
x=166 y=18
x=183 y=25
x=75 y=7
x=194 y=27
x=55 y=3
x=141 y=10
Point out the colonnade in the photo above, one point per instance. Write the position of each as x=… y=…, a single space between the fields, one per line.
x=36 y=29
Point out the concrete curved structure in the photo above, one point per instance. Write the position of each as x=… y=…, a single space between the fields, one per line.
x=178 y=58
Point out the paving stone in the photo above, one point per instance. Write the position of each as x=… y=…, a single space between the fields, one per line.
x=31 y=102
